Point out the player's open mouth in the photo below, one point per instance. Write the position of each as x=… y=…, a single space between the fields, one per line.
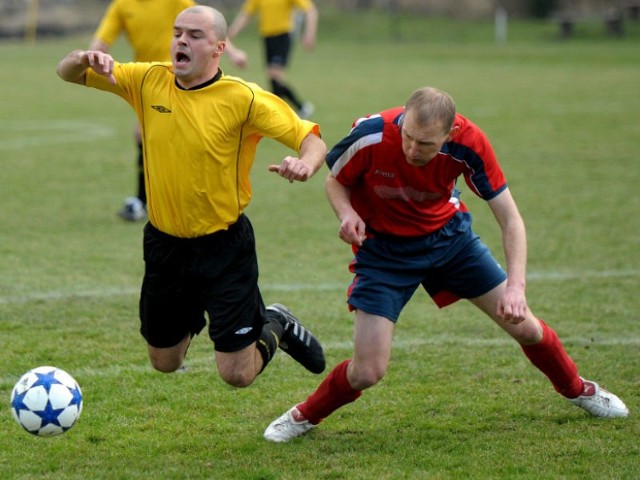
x=182 y=58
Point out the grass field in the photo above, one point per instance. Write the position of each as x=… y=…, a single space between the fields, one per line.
x=460 y=400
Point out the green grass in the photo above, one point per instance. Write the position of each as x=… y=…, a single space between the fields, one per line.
x=459 y=400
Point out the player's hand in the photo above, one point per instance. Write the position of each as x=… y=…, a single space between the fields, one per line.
x=100 y=62
x=239 y=58
x=352 y=229
x=309 y=43
x=293 y=169
x=512 y=305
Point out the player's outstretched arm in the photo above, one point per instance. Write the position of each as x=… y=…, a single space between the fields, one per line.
x=73 y=67
x=311 y=157
x=241 y=21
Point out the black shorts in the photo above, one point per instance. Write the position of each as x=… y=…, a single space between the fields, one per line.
x=277 y=49
x=186 y=277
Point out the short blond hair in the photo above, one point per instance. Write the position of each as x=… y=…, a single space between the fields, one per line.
x=431 y=106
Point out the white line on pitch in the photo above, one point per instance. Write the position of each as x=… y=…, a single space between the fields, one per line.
x=296 y=287
x=44 y=132
x=200 y=362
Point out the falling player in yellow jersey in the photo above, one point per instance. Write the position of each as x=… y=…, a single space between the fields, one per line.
x=200 y=130
x=147 y=26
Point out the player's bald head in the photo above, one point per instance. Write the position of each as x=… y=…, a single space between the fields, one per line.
x=211 y=18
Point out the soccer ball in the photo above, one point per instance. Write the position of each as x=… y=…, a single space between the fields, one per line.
x=46 y=401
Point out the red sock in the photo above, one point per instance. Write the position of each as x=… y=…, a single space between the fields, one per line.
x=334 y=392
x=552 y=360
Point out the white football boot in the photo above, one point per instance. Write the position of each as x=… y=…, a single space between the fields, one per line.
x=600 y=402
x=288 y=426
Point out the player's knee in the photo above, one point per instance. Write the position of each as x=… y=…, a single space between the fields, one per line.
x=528 y=332
x=366 y=377
x=238 y=379
x=169 y=359
x=165 y=365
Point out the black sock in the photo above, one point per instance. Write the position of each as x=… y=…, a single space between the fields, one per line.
x=286 y=93
x=269 y=339
x=142 y=192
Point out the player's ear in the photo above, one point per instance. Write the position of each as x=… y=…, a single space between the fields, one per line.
x=453 y=132
x=219 y=49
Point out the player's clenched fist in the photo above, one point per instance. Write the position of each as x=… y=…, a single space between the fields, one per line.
x=293 y=168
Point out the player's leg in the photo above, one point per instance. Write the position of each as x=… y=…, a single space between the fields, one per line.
x=246 y=335
x=372 y=342
x=135 y=208
x=543 y=348
x=527 y=332
x=472 y=272
x=276 y=75
x=278 y=50
x=245 y=341
x=296 y=340
x=240 y=369
x=239 y=364
x=170 y=313
x=372 y=350
x=539 y=342
x=377 y=297
x=283 y=89
x=168 y=320
x=169 y=359
x=142 y=191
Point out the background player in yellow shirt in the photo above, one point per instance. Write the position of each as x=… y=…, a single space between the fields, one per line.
x=147 y=25
x=276 y=26
x=200 y=129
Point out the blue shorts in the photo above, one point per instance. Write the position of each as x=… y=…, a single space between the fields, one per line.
x=450 y=264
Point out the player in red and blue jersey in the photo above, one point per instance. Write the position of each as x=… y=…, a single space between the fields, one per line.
x=392 y=185
x=415 y=201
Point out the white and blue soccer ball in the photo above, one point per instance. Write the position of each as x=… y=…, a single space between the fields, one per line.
x=46 y=401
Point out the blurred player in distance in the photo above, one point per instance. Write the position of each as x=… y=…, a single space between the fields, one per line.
x=276 y=25
x=147 y=26
x=392 y=186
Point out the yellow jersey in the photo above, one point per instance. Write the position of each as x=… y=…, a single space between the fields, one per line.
x=275 y=16
x=148 y=25
x=200 y=144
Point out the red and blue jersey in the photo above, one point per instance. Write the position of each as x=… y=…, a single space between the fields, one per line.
x=396 y=198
